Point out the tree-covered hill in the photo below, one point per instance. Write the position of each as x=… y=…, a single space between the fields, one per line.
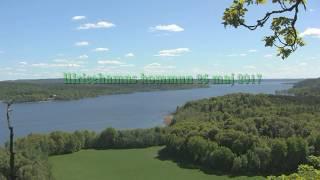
x=55 y=89
x=242 y=133
x=308 y=87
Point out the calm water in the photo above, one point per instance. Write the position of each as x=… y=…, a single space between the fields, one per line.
x=137 y=110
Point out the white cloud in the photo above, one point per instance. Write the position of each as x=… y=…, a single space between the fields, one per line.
x=127 y=65
x=23 y=63
x=250 y=67
x=83 y=56
x=153 y=65
x=243 y=54
x=169 y=27
x=58 y=63
x=82 y=43
x=69 y=61
x=237 y=55
x=76 y=18
x=110 y=62
x=60 y=60
x=100 y=24
x=130 y=55
x=268 y=56
x=252 y=50
x=47 y=65
x=101 y=50
x=157 y=67
x=172 y=52
x=315 y=32
x=303 y=64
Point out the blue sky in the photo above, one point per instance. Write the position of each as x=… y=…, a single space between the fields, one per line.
x=43 y=39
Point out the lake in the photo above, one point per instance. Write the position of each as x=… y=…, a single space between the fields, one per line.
x=136 y=110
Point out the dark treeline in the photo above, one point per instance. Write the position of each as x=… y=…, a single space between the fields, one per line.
x=58 y=142
x=244 y=133
x=55 y=89
x=308 y=87
x=32 y=151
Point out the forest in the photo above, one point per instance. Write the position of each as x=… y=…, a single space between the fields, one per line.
x=238 y=134
x=55 y=89
x=243 y=133
x=308 y=87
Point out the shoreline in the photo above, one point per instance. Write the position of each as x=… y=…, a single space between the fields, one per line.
x=108 y=94
x=148 y=90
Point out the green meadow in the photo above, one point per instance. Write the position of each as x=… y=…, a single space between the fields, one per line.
x=132 y=164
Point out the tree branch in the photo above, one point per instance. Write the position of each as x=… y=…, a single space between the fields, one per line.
x=262 y=21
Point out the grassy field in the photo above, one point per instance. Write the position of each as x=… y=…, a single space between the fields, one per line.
x=133 y=164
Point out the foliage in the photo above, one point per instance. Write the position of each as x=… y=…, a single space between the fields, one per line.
x=305 y=172
x=244 y=133
x=285 y=36
x=136 y=138
x=314 y=161
x=30 y=164
x=32 y=151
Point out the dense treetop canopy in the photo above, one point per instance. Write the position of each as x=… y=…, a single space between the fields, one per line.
x=247 y=133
